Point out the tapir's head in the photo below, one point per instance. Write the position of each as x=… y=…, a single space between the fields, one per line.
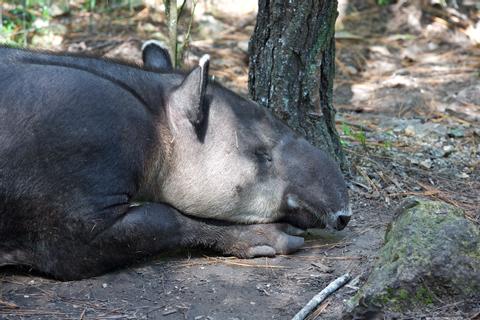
x=232 y=160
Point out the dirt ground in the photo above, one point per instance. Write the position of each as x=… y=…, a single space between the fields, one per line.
x=200 y=286
x=408 y=96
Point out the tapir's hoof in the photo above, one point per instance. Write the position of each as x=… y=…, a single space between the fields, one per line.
x=262 y=240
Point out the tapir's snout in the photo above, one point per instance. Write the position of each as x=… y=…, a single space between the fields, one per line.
x=341 y=218
x=317 y=195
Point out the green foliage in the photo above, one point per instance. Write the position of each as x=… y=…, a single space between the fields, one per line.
x=18 y=18
x=344 y=143
x=347 y=132
x=399 y=298
x=108 y=5
x=14 y=25
x=388 y=142
x=403 y=294
x=424 y=296
x=346 y=129
x=359 y=136
x=383 y=2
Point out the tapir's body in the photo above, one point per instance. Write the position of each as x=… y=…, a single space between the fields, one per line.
x=82 y=140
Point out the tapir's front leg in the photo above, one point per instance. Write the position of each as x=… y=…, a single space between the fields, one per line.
x=153 y=228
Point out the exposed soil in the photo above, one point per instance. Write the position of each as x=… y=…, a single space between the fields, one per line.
x=409 y=102
x=193 y=286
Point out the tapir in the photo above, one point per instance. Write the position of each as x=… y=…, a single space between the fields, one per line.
x=104 y=163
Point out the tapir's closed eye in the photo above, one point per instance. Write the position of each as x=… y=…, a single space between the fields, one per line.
x=263 y=155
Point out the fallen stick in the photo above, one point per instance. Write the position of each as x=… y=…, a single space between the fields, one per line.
x=319 y=298
x=7 y=304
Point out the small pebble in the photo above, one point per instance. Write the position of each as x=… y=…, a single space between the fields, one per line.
x=448 y=150
x=463 y=175
x=457 y=132
x=410 y=131
x=351 y=69
x=427 y=163
x=166 y=313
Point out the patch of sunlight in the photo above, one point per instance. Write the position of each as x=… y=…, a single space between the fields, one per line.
x=473 y=32
x=362 y=91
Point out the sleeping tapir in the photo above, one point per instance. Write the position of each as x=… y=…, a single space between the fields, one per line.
x=102 y=163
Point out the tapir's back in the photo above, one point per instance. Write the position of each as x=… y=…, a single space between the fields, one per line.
x=71 y=142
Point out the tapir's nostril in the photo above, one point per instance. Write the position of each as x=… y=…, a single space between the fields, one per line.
x=342 y=222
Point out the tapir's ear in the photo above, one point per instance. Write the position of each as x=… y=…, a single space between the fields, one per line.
x=190 y=96
x=155 y=56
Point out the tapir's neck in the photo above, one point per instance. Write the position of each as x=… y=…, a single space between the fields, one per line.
x=157 y=164
x=151 y=89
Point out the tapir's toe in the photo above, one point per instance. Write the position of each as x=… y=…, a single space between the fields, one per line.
x=287 y=244
x=261 y=251
x=262 y=240
x=284 y=245
x=294 y=244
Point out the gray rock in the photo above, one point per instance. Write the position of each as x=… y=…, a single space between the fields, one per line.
x=448 y=150
x=243 y=45
x=456 y=132
x=426 y=164
x=470 y=95
x=431 y=253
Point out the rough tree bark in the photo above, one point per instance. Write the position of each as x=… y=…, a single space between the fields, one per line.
x=292 y=65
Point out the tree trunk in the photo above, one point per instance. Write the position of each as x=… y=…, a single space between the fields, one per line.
x=292 y=66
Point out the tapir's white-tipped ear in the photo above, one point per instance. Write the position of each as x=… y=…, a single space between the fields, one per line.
x=155 y=56
x=204 y=65
x=153 y=42
x=190 y=96
x=204 y=60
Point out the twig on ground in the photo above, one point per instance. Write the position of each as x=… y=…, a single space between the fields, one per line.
x=327 y=246
x=361 y=185
x=315 y=314
x=319 y=298
x=7 y=304
x=238 y=262
x=31 y=312
x=82 y=315
x=316 y=257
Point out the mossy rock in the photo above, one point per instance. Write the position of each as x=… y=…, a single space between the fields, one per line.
x=431 y=251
